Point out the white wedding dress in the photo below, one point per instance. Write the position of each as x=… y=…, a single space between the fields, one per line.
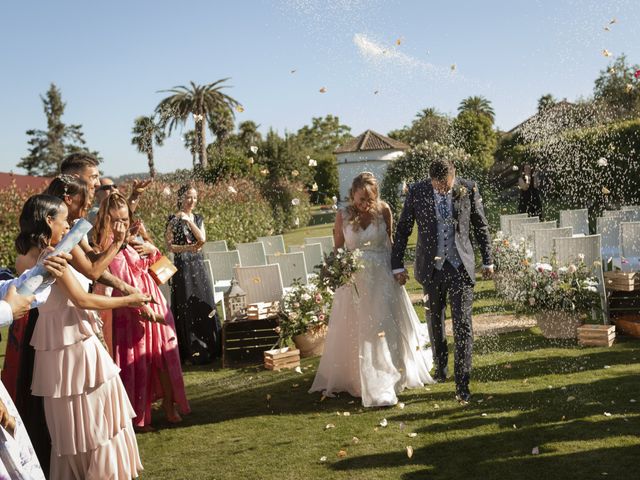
x=375 y=345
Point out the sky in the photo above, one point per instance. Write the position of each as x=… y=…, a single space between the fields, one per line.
x=111 y=59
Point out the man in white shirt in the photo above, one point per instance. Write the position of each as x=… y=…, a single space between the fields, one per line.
x=13 y=305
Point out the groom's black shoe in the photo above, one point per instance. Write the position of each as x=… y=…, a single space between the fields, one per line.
x=463 y=396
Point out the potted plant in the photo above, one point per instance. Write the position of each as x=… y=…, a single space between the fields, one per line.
x=560 y=297
x=304 y=315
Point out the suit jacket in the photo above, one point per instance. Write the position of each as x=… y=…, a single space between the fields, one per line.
x=468 y=213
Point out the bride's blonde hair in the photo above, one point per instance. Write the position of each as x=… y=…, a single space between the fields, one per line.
x=367 y=182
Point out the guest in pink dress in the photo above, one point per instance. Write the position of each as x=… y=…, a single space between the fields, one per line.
x=87 y=410
x=146 y=351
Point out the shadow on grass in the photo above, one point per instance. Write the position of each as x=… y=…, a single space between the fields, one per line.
x=506 y=452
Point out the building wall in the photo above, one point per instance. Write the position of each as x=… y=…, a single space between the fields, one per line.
x=352 y=163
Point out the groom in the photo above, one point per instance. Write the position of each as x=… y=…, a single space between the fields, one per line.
x=445 y=208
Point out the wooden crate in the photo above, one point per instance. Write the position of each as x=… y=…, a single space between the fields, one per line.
x=596 y=335
x=622 y=281
x=281 y=358
x=629 y=324
x=244 y=341
x=262 y=310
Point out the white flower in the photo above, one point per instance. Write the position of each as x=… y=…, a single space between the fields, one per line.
x=544 y=267
x=515 y=168
x=293 y=315
x=295 y=202
x=563 y=270
x=254 y=149
x=581 y=257
x=313 y=163
x=306 y=297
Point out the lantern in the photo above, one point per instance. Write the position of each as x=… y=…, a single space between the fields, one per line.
x=235 y=300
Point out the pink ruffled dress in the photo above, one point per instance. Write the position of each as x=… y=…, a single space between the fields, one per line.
x=142 y=348
x=86 y=406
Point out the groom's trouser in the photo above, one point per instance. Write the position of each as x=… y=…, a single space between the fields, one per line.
x=458 y=287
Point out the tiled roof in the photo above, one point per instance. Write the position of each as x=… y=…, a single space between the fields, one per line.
x=371 y=140
x=559 y=108
x=24 y=182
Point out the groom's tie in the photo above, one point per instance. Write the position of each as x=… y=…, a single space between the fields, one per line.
x=443 y=207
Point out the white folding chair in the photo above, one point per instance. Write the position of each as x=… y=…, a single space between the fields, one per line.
x=262 y=283
x=543 y=241
x=568 y=249
x=515 y=226
x=578 y=219
x=292 y=267
x=504 y=222
x=222 y=264
x=631 y=213
x=251 y=254
x=630 y=239
x=312 y=256
x=273 y=244
x=528 y=228
x=216 y=246
x=326 y=242
x=609 y=230
x=218 y=297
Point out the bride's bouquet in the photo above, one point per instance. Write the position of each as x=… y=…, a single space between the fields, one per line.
x=339 y=268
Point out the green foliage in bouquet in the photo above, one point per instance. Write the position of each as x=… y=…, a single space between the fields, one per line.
x=339 y=268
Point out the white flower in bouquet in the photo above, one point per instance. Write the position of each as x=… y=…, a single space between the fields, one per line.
x=543 y=267
x=305 y=297
x=581 y=257
x=563 y=270
x=532 y=301
x=529 y=253
x=293 y=315
x=572 y=268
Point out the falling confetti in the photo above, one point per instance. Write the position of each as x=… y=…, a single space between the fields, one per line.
x=329 y=426
x=264 y=172
x=296 y=222
x=355 y=440
x=314 y=187
x=295 y=202
x=535 y=451
x=401 y=405
x=342 y=453
x=628 y=87
x=606 y=53
x=607 y=29
x=239 y=108
x=605 y=191
x=254 y=149
x=412 y=435
x=383 y=422
x=323 y=459
x=166 y=192
x=381 y=334
x=612 y=71
x=602 y=162
x=231 y=190
x=376 y=92
x=323 y=90
x=453 y=67
x=409 y=451
x=313 y=163
x=298 y=370
x=346 y=414
x=570 y=398
x=613 y=20
x=251 y=160
x=515 y=168
x=293 y=71
x=295 y=173
x=607 y=414
x=398 y=42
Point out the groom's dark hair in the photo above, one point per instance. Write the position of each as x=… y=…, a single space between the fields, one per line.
x=441 y=169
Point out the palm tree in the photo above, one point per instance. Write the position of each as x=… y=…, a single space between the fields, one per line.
x=477 y=104
x=189 y=140
x=196 y=100
x=428 y=113
x=221 y=124
x=145 y=131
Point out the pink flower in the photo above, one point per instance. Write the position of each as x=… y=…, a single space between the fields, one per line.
x=321 y=317
x=534 y=285
x=318 y=298
x=532 y=301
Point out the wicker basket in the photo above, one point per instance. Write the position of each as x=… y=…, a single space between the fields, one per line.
x=311 y=343
x=558 y=324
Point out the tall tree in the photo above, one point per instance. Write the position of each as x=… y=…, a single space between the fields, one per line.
x=221 y=123
x=146 y=131
x=477 y=104
x=49 y=147
x=618 y=89
x=190 y=143
x=545 y=102
x=197 y=101
x=248 y=134
x=474 y=133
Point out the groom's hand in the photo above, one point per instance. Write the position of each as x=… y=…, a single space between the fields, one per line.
x=401 y=277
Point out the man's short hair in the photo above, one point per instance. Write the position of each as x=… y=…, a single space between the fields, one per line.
x=77 y=161
x=441 y=169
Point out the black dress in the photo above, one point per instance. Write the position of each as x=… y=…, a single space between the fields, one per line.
x=192 y=304
x=530 y=201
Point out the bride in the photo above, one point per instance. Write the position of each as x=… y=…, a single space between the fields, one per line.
x=375 y=343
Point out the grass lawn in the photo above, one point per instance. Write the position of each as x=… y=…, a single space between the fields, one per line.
x=528 y=392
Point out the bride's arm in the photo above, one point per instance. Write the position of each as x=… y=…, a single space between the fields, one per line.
x=388 y=219
x=338 y=234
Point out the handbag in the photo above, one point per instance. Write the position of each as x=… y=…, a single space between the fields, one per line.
x=162 y=270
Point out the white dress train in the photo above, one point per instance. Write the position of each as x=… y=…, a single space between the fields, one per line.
x=375 y=345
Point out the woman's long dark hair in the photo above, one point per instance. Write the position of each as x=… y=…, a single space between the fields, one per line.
x=34 y=229
x=68 y=185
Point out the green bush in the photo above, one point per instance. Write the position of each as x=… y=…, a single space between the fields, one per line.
x=289 y=203
x=12 y=199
